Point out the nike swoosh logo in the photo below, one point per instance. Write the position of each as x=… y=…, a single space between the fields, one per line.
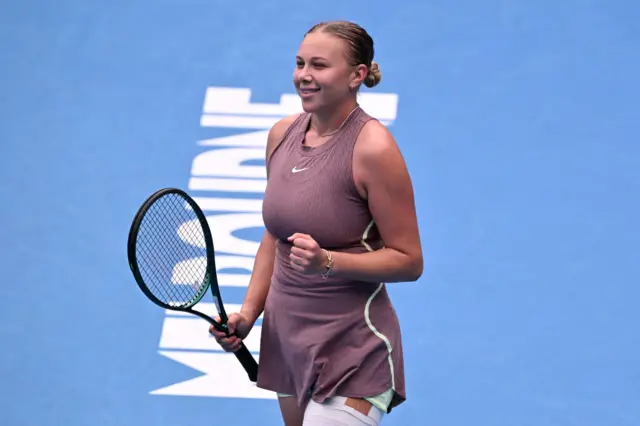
x=294 y=170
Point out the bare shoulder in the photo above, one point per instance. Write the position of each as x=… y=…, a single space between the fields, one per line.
x=376 y=155
x=375 y=141
x=277 y=132
x=382 y=178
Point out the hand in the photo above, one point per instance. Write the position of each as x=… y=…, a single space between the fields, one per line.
x=237 y=323
x=306 y=255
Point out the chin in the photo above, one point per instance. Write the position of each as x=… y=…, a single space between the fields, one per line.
x=309 y=105
x=315 y=105
x=309 y=108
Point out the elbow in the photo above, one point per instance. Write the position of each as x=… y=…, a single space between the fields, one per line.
x=415 y=268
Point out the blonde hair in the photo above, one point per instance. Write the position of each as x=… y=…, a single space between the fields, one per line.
x=360 y=46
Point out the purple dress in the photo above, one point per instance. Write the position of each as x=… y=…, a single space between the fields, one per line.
x=325 y=337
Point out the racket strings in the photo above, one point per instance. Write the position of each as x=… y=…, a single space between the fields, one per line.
x=171 y=252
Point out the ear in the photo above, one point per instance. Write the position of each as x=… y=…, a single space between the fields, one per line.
x=358 y=75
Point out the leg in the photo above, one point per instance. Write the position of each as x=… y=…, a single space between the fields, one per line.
x=292 y=415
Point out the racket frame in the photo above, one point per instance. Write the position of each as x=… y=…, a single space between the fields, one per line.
x=210 y=278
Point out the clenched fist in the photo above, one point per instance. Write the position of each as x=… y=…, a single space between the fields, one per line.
x=239 y=326
x=306 y=255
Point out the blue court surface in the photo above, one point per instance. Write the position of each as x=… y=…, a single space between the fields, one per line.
x=519 y=124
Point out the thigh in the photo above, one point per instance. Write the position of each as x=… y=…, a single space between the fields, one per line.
x=292 y=415
x=334 y=412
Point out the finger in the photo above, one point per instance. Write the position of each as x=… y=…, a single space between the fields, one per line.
x=302 y=253
x=215 y=332
x=296 y=258
x=228 y=348
x=305 y=243
x=217 y=335
x=236 y=345
x=232 y=322
x=231 y=326
x=218 y=320
x=297 y=267
x=228 y=342
x=299 y=260
x=300 y=235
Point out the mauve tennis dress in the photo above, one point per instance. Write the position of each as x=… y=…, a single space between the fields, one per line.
x=335 y=336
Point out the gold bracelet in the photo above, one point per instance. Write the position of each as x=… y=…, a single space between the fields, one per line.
x=329 y=266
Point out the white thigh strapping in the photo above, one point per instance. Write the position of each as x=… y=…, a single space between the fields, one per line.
x=334 y=413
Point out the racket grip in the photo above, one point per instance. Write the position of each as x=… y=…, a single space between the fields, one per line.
x=248 y=362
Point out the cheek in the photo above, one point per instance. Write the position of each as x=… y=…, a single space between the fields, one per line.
x=332 y=81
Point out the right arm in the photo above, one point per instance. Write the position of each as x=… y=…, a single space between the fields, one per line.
x=260 y=281
x=241 y=323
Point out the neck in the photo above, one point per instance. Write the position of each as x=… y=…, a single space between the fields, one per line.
x=330 y=121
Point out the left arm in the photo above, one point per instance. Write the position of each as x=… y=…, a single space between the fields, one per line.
x=382 y=178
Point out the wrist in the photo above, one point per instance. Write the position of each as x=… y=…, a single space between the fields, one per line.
x=327 y=265
x=251 y=313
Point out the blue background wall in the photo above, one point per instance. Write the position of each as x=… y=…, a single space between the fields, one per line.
x=519 y=125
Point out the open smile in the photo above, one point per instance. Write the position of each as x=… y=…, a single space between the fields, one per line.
x=308 y=91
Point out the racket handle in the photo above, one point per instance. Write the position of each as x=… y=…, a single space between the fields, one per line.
x=248 y=362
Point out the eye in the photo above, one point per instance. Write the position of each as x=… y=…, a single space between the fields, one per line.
x=319 y=64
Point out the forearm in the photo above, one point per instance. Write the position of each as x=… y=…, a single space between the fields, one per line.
x=384 y=265
x=260 y=281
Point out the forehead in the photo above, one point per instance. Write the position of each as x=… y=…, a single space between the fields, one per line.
x=322 y=45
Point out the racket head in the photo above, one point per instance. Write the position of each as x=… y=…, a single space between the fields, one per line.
x=171 y=253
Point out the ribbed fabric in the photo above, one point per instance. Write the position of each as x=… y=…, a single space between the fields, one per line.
x=325 y=337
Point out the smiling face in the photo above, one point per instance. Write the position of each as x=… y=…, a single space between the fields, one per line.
x=324 y=72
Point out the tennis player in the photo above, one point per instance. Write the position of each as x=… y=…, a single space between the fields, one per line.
x=340 y=222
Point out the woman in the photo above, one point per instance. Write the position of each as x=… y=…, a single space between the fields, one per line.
x=340 y=221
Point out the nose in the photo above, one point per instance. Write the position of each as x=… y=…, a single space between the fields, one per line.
x=303 y=75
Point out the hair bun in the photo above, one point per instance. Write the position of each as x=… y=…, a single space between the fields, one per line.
x=374 y=76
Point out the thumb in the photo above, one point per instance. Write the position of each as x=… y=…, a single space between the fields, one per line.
x=232 y=322
x=299 y=235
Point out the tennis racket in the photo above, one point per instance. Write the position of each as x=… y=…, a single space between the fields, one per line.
x=171 y=255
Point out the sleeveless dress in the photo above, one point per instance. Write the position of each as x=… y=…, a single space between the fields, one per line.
x=334 y=336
